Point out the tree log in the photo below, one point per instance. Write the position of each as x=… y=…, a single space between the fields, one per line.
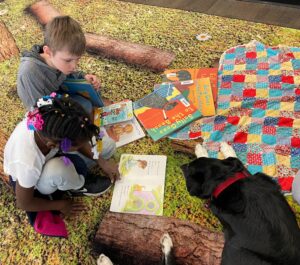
x=186 y=146
x=132 y=53
x=134 y=240
x=8 y=47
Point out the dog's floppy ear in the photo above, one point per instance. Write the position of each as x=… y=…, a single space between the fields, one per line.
x=232 y=165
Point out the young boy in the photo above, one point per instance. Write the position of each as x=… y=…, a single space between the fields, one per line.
x=44 y=68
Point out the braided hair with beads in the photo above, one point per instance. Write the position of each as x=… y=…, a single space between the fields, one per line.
x=59 y=117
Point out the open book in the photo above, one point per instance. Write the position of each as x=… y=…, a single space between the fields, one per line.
x=141 y=187
x=125 y=132
x=83 y=88
x=114 y=113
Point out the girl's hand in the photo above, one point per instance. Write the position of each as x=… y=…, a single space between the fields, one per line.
x=93 y=80
x=110 y=169
x=72 y=208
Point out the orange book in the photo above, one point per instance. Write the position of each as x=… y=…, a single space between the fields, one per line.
x=174 y=75
x=198 y=92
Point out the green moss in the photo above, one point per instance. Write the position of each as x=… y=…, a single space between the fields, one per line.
x=168 y=29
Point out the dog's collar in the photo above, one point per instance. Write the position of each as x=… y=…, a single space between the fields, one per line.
x=224 y=185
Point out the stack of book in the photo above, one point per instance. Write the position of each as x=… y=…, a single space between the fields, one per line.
x=183 y=96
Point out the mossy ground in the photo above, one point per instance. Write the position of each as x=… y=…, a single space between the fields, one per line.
x=167 y=29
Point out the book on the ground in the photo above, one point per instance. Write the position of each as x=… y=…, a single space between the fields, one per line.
x=140 y=189
x=83 y=88
x=198 y=92
x=114 y=113
x=125 y=132
x=174 y=75
x=164 y=111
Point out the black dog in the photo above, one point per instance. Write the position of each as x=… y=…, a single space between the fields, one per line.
x=260 y=227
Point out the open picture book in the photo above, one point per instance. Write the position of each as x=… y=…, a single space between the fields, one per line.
x=141 y=187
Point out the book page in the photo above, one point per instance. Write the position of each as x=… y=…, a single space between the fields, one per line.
x=141 y=187
x=125 y=132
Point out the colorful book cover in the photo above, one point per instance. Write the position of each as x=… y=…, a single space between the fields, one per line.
x=174 y=75
x=164 y=111
x=83 y=88
x=125 y=132
x=114 y=113
x=198 y=92
x=140 y=189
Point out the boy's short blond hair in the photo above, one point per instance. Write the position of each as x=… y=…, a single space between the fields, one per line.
x=63 y=32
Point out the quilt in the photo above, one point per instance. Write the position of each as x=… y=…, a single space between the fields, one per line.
x=258 y=110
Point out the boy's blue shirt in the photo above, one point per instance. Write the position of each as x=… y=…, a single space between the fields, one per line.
x=36 y=79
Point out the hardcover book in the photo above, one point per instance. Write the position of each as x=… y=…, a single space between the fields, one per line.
x=114 y=113
x=174 y=75
x=83 y=88
x=140 y=189
x=164 y=111
x=198 y=92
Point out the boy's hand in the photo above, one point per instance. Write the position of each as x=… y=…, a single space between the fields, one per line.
x=93 y=80
x=110 y=168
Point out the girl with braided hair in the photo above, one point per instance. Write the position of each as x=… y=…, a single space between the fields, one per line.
x=37 y=157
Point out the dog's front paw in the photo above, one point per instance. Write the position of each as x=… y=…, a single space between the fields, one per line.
x=103 y=260
x=200 y=151
x=227 y=150
x=166 y=244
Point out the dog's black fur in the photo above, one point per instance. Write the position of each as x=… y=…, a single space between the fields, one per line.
x=260 y=227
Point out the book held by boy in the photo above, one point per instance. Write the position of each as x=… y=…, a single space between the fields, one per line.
x=83 y=88
x=140 y=189
x=164 y=111
x=125 y=132
x=114 y=113
x=174 y=75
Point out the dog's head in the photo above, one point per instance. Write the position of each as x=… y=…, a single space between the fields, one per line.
x=204 y=174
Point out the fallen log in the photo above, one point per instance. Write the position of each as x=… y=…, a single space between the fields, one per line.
x=132 y=53
x=8 y=47
x=134 y=240
x=186 y=146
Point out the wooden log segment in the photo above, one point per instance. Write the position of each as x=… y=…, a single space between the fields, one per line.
x=134 y=239
x=8 y=47
x=186 y=146
x=132 y=53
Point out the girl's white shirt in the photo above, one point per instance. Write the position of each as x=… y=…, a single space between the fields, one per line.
x=23 y=160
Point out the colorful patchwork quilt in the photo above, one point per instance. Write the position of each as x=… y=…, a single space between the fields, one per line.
x=258 y=110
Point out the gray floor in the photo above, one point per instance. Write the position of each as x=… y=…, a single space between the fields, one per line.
x=257 y=11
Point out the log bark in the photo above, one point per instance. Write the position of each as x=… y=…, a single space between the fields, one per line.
x=8 y=47
x=134 y=239
x=186 y=146
x=132 y=53
x=3 y=140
